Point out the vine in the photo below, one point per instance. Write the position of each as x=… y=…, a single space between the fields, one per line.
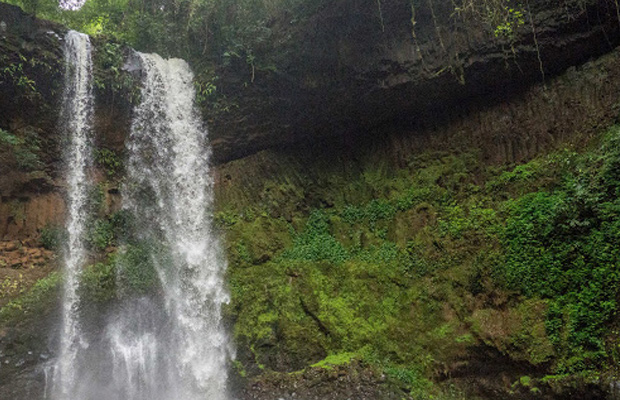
x=535 y=36
x=381 y=15
x=501 y=19
x=414 y=35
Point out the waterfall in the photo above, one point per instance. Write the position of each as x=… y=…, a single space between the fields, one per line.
x=76 y=113
x=169 y=193
x=166 y=343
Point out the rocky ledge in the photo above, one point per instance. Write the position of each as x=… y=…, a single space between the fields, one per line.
x=345 y=70
x=354 y=66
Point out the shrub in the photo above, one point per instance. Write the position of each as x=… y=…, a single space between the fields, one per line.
x=52 y=237
x=316 y=243
x=560 y=245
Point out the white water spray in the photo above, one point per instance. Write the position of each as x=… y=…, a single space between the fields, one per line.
x=171 y=345
x=77 y=111
x=169 y=193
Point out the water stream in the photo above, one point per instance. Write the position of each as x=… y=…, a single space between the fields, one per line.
x=169 y=194
x=76 y=117
x=167 y=343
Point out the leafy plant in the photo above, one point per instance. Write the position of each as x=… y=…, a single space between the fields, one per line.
x=559 y=247
x=512 y=19
x=205 y=89
x=101 y=234
x=33 y=303
x=12 y=286
x=135 y=269
x=316 y=243
x=15 y=74
x=23 y=149
x=109 y=161
x=52 y=237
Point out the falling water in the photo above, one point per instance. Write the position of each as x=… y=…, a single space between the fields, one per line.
x=182 y=354
x=77 y=110
x=169 y=343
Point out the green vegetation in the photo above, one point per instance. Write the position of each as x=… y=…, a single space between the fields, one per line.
x=240 y=34
x=136 y=272
x=52 y=237
x=101 y=234
x=22 y=149
x=110 y=162
x=127 y=273
x=560 y=245
x=189 y=28
x=110 y=78
x=124 y=274
x=104 y=231
x=98 y=284
x=20 y=68
x=32 y=304
x=407 y=269
x=335 y=359
x=15 y=73
x=11 y=286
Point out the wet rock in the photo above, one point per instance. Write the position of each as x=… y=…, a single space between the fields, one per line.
x=342 y=74
x=351 y=381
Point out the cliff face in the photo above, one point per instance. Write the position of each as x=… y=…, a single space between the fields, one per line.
x=360 y=185
x=567 y=111
x=358 y=65
x=354 y=66
x=30 y=83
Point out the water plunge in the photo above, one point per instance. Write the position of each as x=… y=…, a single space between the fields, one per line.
x=169 y=194
x=76 y=117
x=169 y=343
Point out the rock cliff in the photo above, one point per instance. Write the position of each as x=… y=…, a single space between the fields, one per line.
x=352 y=67
x=337 y=102
x=358 y=65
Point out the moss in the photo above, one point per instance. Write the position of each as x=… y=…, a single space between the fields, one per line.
x=517 y=331
x=334 y=360
x=339 y=283
x=406 y=268
x=38 y=300
x=525 y=381
x=272 y=313
x=255 y=241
